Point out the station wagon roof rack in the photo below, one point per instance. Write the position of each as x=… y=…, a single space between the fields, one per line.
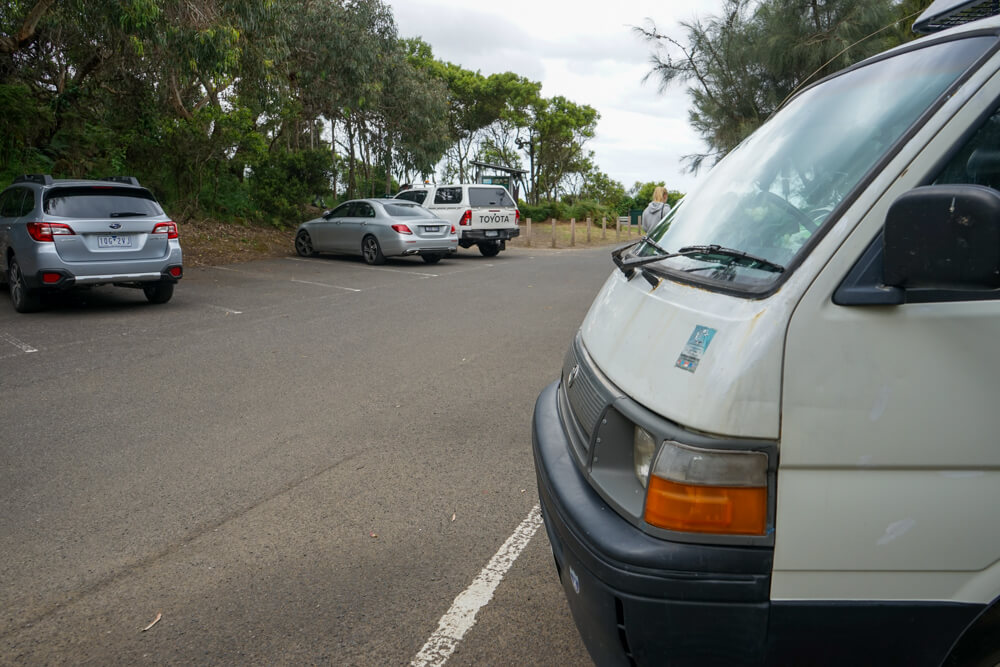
x=944 y=14
x=41 y=179
x=129 y=180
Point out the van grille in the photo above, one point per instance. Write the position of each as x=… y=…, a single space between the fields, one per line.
x=587 y=394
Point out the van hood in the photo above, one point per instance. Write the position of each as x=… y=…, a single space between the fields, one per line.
x=709 y=362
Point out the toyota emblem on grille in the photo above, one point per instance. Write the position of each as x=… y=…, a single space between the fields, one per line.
x=571 y=378
x=115 y=225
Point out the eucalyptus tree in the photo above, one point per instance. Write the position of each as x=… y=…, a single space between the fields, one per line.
x=557 y=133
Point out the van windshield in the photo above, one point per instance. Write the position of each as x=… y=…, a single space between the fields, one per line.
x=771 y=194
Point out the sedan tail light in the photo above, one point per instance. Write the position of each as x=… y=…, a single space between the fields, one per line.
x=453 y=229
x=466 y=218
x=45 y=231
x=401 y=229
x=168 y=228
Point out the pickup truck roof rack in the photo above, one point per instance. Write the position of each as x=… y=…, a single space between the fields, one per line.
x=41 y=179
x=128 y=180
x=944 y=14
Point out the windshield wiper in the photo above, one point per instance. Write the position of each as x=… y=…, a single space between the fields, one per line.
x=629 y=265
x=127 y=214
x=755 y=262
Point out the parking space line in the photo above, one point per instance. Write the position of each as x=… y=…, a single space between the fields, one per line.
x=372 y=268
x=462 y=616
x=21 y=345
x=309 y=282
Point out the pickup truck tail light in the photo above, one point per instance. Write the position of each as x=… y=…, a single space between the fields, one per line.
x=517 y=217
x=466 y=218
x=45 y=232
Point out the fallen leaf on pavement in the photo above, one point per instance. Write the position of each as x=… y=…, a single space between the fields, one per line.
x=156 y=620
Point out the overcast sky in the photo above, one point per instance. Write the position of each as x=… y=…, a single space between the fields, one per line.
x=585 y=51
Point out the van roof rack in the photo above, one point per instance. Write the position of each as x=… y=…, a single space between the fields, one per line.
x=41 y=179
x=944 y=14
x=129 y=180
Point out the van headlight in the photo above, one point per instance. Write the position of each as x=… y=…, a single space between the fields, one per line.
x=697 y=490
x=643 y=450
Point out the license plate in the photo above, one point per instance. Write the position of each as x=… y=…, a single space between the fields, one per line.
x=114 y=241
x=491 y=233
x=432 y=228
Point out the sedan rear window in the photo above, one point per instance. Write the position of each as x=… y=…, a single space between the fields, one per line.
x=490 y=197
x=101 y=202
x=407 y=211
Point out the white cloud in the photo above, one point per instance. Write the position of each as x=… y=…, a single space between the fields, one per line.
x=587 y=52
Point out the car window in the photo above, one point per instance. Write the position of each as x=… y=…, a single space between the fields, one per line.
x=407 y=211
x=978 y=161
x=413 y=195
x=342 y=211
x=490 y=197
x=363 y=210
x=10 y=205
x=448 y=196
x=28 y=203
x=100 y=202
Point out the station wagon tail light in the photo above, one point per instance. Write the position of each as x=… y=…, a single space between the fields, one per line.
x=401 y=229
x=45 y=231
x=168 y=228
x=466 y=218
x=696 y=490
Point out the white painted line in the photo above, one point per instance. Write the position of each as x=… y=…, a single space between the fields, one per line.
x=21 y=345
x=462 y=615
x=309 y=282
x=371 y=268
x=228 y=311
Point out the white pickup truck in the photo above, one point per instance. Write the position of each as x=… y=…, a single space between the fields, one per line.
x=484 y=215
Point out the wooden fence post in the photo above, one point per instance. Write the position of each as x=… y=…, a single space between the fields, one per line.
x=572 y=232
x=588 y=231
x=528 y=235
x=604 y=228
x=553 y=232
x=618 y=230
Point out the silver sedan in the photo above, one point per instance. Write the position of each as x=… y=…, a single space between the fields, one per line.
x=376 y=229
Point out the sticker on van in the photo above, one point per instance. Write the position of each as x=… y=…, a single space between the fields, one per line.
x=695 y=348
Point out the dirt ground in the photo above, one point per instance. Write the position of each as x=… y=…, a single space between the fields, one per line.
x=209 y=242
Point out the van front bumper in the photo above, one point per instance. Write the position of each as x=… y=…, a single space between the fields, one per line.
x=637 y=599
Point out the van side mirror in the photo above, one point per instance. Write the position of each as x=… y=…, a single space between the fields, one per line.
x=943 y=237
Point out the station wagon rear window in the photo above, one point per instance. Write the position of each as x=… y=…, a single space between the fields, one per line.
x=101 y=202
x=495 y=197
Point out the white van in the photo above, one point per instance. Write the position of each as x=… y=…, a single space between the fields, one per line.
x=776 y=436
x=484 y=215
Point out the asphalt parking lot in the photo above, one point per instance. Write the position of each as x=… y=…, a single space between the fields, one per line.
x=295 y=461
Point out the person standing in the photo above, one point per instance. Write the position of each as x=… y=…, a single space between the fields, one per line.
x=657 y=209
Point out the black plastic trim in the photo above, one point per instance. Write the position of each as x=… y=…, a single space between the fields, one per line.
x=863 y=286
x=912 y=633
x=477 y=235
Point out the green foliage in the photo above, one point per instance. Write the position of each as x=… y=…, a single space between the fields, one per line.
x=744 y=63
x=283 y=182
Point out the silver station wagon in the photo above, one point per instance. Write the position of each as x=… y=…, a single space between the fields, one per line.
x=60 y=234
x=376 y=229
